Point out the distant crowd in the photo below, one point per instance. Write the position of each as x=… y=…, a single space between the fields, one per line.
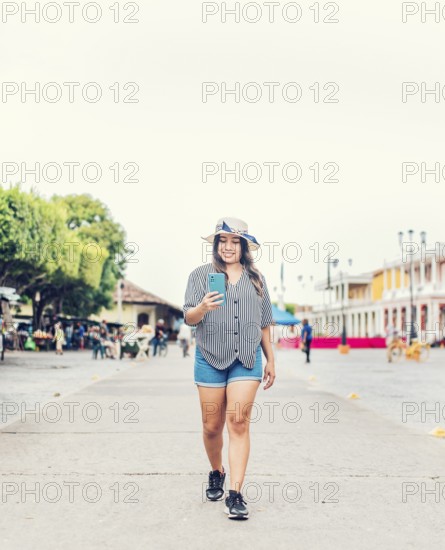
x=100 y=338
x=106 y=341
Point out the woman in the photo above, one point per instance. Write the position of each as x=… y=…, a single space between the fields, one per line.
x=228 y=361
x=97 y=342
x=59 y=338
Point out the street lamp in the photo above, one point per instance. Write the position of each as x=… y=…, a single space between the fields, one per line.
x=343 y=316
x=413 y=332
x=334 y=262
x=329 y=261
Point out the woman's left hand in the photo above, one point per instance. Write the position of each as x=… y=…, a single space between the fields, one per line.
x=269 y=374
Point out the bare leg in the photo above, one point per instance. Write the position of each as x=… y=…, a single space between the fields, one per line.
x=213 y=409
x=240 y=397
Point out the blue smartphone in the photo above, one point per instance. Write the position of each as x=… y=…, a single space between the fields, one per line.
x=217 y=282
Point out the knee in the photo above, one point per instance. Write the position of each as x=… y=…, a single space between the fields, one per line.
x=213 y=428
x=238 y=426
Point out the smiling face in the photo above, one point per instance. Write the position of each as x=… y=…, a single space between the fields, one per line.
x=229 y=248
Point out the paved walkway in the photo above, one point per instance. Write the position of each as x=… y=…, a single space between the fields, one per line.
x=120 y=464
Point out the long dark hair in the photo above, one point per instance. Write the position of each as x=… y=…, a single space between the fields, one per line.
x=246 y=260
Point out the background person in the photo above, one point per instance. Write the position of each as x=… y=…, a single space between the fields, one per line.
x=59 y=338
x=96 y=342
x=160 y=334
x=81 y=335
x=306 y=339
x=107 y=343
x=185 y=337
x=69 y=336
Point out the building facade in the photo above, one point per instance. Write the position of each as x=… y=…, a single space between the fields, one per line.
x=373 y=302
x=136 y=306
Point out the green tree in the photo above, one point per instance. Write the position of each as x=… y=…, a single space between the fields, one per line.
x=69 y=249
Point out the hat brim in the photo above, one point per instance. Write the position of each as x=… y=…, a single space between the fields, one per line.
x=211 y=238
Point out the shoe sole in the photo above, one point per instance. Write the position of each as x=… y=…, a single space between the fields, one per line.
x=216 y=499
x=234 y=516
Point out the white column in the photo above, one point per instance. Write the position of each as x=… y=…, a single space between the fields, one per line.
x=399 y=318
x=379 y=322
x=433 y=272
x=384 y=281
x=393 y=278
x=402 y=277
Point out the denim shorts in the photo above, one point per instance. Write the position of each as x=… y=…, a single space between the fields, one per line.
x=207 y=375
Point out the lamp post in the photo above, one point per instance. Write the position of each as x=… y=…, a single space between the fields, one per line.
x=412 y=332
x=344 y=348
x=329 y=261
x=334 y=262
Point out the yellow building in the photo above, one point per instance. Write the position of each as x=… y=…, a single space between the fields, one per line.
x=371 y=303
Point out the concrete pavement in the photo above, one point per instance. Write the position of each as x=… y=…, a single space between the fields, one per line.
x=121 y=464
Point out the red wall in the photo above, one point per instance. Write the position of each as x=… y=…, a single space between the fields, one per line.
x=332 y=343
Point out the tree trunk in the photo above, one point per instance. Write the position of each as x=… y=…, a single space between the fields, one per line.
x=37 y=310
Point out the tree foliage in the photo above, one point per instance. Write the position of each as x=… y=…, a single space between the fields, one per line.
x=69 y=249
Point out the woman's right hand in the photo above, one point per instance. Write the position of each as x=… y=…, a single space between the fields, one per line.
x=211 y=301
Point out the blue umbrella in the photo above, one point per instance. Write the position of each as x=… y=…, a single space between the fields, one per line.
x=283 y=317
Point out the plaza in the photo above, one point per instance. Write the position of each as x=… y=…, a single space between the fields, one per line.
x=117 y=459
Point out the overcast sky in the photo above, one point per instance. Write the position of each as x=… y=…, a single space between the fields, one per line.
x=171 y=132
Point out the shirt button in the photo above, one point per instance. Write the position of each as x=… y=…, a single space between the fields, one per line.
x=236 y=316
x=236 y=351
x=235 y=302
x=236 y=333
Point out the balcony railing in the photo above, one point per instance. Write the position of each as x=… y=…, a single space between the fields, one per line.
x=336 y=306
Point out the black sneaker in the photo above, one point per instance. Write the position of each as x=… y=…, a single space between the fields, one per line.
x=236 y=506
x=215 y=490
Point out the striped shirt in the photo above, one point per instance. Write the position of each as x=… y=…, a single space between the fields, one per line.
x=233 y=330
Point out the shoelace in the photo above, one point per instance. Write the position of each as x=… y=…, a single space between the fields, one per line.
x=215 y=480
x=237 y=499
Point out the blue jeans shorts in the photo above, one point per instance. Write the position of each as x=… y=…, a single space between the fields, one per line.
x=207 y=375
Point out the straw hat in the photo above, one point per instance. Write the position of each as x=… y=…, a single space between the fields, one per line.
x=233 y=226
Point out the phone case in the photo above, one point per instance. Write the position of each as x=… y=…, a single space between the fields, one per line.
x=217 y=282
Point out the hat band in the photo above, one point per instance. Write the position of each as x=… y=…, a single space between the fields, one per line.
x=242 y=232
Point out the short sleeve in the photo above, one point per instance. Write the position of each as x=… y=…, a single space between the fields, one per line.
x=266 y=307
x=191 y=297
